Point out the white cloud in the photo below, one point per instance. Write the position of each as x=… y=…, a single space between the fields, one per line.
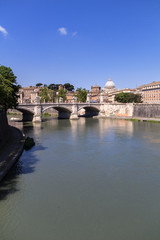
x=62 y=31
x=3 y=30
x=74 y=34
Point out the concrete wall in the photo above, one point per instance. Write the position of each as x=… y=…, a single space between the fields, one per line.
x=147 y=110
x=4 y=129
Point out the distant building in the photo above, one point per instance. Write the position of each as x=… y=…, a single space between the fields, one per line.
x=150 y=92
x=109 y=87
x=60 y=87
x=69 y=96
x=109 y=92
x=95 y=93
x=28 y=94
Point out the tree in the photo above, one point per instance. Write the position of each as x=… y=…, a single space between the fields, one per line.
x=68 y=87
x=81 y=95
x=53 y=86
x=62 y=93
x=46 y=95
x=8 y=88
x=39 y=84
x=128 y=98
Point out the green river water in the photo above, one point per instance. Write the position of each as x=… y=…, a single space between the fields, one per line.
x=91 y=179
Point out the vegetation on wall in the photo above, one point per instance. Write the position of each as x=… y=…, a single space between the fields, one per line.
x=128 y=98
x=29 y=143
x=8 y=88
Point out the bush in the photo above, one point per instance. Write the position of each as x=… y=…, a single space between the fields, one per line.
x=29 y=143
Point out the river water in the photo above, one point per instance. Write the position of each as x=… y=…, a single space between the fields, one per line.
x=91 y=179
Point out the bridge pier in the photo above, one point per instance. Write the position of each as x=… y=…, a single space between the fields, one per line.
x=74 y=114
x=37 y=117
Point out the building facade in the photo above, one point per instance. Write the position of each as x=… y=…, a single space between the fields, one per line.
x=95 y=93
x=150 y=92
x=28 y=94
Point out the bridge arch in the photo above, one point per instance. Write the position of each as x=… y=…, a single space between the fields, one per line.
x=63 y=112
x=90 y=111
x=27 y=113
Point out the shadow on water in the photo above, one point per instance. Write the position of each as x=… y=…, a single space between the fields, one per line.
x=25 y=165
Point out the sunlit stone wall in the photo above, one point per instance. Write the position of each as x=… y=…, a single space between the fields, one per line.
x=119 y=109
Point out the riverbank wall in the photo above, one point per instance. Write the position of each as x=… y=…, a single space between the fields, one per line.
x=117 y=109
x=131 y=110
x=146 y=110
x=4 y=129
x=11 y=145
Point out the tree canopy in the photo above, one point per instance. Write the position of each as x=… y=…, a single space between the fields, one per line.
x=39 y=84
x=8 y=88
x=62 y=93
x=46 y=95
x=81 y=95
x=128 y=98
x=53 y=86
x=68 y=87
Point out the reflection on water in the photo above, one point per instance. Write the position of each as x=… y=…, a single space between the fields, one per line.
x=87 y=179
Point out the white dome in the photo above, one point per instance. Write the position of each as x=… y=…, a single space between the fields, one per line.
x=109 y=84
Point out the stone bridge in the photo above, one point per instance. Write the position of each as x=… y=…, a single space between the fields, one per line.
x=33 y=111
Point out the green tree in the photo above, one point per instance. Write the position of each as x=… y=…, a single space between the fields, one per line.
x=46 y=95
x=68 y=87
x=62 y=93
x=53 y=86
x=81 y=95
x=128 y=98
x=39 y=84
x=8 y=88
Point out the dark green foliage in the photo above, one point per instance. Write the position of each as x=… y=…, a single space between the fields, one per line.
x=81 y=95
x=29 y=143
x=39 y=84
x=68 y=87
x=128 y=98
x=8 y=88
x=53 y=86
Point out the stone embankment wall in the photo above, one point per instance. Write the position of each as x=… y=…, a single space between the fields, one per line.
x=119 y=110
x=146 y=110
x=138 y=110
x=4 y=129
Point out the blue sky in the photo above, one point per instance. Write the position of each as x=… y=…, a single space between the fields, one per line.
x=83 y=42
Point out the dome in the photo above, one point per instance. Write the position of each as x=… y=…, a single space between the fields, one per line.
x=109 y=84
